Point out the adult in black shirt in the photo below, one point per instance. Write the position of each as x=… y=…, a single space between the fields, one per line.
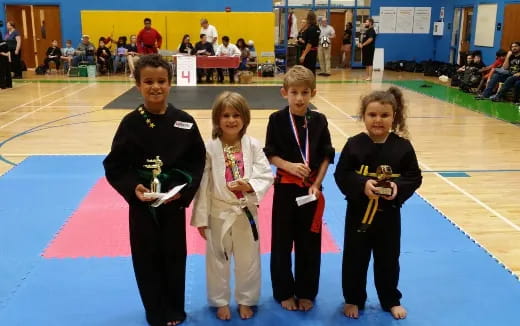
x=203 y=47
x=311 y=37
x=347 y=44
x=186 y=47
x=368 y=47
x=5 y=66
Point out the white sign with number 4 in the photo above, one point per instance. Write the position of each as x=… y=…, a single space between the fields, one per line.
x=186 y=70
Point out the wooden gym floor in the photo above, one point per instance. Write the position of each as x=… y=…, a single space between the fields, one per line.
x=471 y=162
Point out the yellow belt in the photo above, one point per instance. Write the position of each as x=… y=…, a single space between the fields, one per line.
x=372 y=203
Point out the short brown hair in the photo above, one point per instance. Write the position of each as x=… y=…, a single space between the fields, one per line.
x=394 y=97
x=237 y=102
x=152 y=60
x=298 y=76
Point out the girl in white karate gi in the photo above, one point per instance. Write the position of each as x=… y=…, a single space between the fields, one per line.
x=236 y=177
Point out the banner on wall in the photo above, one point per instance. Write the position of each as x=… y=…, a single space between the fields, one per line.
x=388 y=17
x=404 y=20
x=422 y=20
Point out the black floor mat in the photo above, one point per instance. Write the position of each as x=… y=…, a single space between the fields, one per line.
x=202 y=97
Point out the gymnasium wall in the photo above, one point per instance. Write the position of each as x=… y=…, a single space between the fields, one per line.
x=174 y=24
x=71 y=10
x=409 y=46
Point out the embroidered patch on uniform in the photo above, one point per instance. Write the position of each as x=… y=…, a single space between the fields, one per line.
x=183 y=125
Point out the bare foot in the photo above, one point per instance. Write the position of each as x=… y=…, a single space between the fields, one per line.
x=223 y=313
x=398 y=312
x=245 y=312
x=289 y=304
x=351 y=311
x=305 y=304
x=173 y=323
x=368 y=79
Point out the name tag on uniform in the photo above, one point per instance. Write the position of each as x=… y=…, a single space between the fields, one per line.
x=183 y=125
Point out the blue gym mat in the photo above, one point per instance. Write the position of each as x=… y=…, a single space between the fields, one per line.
x=446 y=278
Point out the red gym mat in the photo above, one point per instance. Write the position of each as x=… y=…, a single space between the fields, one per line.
x=99 y=228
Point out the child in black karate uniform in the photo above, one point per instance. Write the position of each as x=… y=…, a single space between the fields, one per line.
x=298 y=144
x=373 y=221
x=157 y=235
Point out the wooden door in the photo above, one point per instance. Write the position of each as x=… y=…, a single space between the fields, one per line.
x=21 y=16
x=337 y=20
x=510 y=27
x=465 y=39
x=47 y=28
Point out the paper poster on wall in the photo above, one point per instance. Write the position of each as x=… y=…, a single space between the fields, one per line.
x=485 y=30
x=387 y=16
x=404 y=20
x=422 y=20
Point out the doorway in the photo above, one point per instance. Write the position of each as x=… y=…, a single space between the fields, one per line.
x=38 y=26
x=461 y=35
x=511 y=23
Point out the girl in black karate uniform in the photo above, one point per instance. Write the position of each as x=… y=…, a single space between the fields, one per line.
x=373 y=221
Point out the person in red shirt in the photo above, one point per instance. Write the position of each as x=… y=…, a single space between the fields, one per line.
x=489 y=70
x=149 y=40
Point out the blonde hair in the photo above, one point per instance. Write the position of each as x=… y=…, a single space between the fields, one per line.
x=394 y=97
x=235 y=101
x=299 y=76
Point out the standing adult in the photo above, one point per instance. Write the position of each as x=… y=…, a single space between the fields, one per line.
x=300 y=42
x=347 y=44
x=368 y=47
x=327 y=33
x=149 y=40
x=311 y=37
x=5 y=65
x=211 y=33
x=14 y=44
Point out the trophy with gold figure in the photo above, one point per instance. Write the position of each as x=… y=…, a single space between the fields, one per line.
x=384 y=175
x=230 y=151
x=155 y=183
x=383 y=188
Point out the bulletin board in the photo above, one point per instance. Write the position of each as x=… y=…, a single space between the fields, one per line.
x=486 y=20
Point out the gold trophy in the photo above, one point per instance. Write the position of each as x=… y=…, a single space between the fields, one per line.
x=155 y=184
x=384 y=175
x=232 y=163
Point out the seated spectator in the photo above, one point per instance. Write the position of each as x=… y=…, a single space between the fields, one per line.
x=132 y=54
x=67 y=53
x=103 y=57
x=53 y=54
x=229 y=50
x=121 y=53
x=472 y=75
x=186 y=47
x=489 y=70
x=203 y=47
x=85 y=51
x=244 y=54
x=509 y=74
x=459 y=74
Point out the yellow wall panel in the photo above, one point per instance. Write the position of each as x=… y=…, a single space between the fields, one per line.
x=256 y=26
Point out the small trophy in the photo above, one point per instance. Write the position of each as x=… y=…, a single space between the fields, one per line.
x=384 y=174
x=155 y=184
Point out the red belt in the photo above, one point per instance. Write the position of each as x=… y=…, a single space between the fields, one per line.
x=287 y=178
